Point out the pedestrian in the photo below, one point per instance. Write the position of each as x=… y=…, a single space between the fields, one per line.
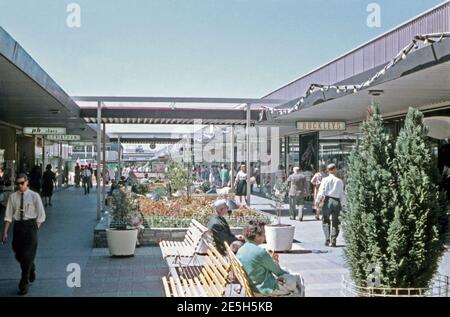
x=87 y=176
x=35 y=179
x=331 y=196
x=224 y=175
x=241 y=184
x=77 y=175
x=48 y=180
x=25 y=210
x=91 y=170
x=316 y=181
x=297 y=193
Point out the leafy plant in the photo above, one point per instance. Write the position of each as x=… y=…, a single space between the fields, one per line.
x=139 y=188
x=177 y=176
x=278 y=194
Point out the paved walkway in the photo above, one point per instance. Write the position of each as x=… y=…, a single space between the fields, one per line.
x=322 y=267
x=66 y=237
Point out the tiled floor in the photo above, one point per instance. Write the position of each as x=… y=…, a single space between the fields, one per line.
x=67 y=237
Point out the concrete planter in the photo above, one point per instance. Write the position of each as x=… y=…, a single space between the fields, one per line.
x=279 y=237
x=121 y=242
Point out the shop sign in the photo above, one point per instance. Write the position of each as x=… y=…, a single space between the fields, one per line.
x=64 y=137
x=320 y=125
x=44 y=130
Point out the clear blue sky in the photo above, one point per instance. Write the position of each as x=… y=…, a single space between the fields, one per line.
x=229 y=48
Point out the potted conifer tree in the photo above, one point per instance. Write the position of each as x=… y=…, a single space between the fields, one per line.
x=121 y=236
x=396 y=221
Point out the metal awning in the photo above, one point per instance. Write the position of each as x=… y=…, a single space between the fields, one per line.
x=422 y=80
x=29 y=97
x=159 y=115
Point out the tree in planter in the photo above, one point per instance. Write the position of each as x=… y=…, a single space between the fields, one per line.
x=278 y=195
x=178 y=177
x=370 y=208
x=123 y=206
x=396 y=222
x=415 y=237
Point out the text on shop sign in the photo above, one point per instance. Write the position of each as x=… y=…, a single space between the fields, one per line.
x=320 y=125
x=43 y=131
x=64 y=137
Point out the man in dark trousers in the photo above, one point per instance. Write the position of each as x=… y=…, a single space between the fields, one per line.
x=219 y=227
x=25 y=209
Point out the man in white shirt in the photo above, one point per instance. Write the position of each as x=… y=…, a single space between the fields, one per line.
x=331 y=193
x=25 y=209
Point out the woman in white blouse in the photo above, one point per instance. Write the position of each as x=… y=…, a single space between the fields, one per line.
x=241 y=184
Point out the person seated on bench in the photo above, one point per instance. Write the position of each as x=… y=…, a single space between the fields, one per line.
x=219 y=227
x=236 y=245
x=265 y=274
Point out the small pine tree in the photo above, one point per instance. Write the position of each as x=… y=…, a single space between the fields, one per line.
x=370 y=211
x=415 y=236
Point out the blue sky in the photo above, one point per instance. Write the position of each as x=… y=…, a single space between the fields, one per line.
x=211 y=48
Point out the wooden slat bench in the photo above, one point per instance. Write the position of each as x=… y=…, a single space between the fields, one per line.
x=191 y=246
x=210 y=282
x=239 y=273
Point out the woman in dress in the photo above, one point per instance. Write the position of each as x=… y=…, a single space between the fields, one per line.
x=47 y=185
x=241 y=184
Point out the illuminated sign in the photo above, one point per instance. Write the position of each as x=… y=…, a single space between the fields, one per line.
x=320 y=125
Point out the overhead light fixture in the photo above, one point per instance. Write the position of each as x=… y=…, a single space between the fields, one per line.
x=54 y=111
x=376 y=92
x=404 y=55
x=338 y=90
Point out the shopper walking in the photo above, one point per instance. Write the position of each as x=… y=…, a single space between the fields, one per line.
x=25 y=210
x=316 y=181
x=331 y=194
x=48 y=179
x=35 y=179
x=87 y=176
x=241 y=184
x=297 y=193
x=224 y=175
x=91 y=170
x=77 y=175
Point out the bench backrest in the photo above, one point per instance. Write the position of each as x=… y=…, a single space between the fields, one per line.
x=215 y=273
x=239 y=272
x=194 y=235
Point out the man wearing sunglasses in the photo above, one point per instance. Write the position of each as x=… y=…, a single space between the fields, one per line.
x=26 y=211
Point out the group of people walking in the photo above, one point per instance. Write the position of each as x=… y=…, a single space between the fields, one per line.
x=329 y=199
x=84 y=175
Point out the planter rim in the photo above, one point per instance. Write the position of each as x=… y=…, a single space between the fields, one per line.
x=280 y=226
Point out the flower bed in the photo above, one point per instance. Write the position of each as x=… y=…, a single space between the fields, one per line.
x=177 y=213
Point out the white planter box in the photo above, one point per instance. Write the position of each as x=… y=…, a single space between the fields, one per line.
x=279 y=237
x=121 y=242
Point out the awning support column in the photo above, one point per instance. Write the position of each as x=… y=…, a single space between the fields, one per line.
x=247 y=163
x=99 y=139
x=104 y=164
x=232 y=158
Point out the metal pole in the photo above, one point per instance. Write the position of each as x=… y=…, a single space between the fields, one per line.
x=248 y=154
x=43 y=154
x=60 y=174
x=232 y=158
x=99 y=139
x=119 y=158
x=104 y=164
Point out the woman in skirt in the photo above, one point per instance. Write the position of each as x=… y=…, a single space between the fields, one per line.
x=241 y=184
x=47 y=185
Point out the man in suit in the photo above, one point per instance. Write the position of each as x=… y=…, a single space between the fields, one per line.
x=219 y=227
